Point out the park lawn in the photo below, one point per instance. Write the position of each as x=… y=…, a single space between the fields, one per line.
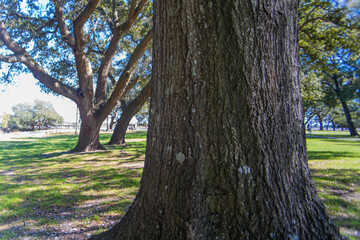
x=48 y=193
x=334 y=161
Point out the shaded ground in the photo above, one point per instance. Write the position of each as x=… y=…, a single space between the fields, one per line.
x=47 y=194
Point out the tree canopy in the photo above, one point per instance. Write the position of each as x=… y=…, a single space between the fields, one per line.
x=40 y=115
x=329 y=33
x=87 y=51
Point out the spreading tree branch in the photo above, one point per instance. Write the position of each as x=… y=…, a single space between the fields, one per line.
x=83 y=64
x=103 y=71
x=126 y=75
x=60 y=17
x=11 y=58
x=20 y=55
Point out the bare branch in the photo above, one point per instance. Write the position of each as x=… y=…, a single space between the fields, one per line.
x=112 y=79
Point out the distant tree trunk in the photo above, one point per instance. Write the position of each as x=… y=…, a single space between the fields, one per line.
x=226 y=155
x=321 y=122
x=112 y=120
x=118 y=137
x=350 y=124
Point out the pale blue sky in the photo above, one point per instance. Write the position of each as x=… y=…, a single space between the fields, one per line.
x=25 y=90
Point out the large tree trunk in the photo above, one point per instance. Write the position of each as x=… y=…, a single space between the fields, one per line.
x=226 y=155
x=89 y=137
x=118 y=137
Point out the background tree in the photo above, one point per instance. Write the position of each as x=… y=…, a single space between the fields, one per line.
x=73 y=48
x=142 y=116
x=5 y=118
x=329 y=38
x=37 y=116
x=128 y=112
x=226 y=154
x=137 y=93
x=45 y=115
x=312 y=95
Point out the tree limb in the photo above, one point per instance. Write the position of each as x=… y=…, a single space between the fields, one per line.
x=11 y=58
x=60 y=17
x=132 y=8
x=39 y=73
x=103 y=71
x=131 y=84
x=83 y=64
x=80 y=21
x=126 y=75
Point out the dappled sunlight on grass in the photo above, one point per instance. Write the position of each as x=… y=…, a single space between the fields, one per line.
x=44 y=189
x=335 y=167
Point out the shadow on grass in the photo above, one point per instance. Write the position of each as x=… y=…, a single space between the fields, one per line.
x=326 y=155
x=339 y=190
x=43 y=188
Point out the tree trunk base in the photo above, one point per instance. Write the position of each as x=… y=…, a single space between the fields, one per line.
x=121 y=142
x=79 y=149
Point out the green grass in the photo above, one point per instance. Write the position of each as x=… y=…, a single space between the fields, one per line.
x=45 y=190
x=335 y=167
x=331 y=134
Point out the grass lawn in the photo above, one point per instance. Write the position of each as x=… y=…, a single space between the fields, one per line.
x=334 y=161
x=46 y=193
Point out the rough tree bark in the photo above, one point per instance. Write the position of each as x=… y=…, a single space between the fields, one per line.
x=118 y=136
x=226 y=155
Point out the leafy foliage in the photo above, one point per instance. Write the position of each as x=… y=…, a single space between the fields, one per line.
x=37 y=116
x=87 y=51
x=330 y=56
x=33 y=25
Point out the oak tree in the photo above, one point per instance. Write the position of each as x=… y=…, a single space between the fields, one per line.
x=128 y=112
x=73 y=48
x=329 y=38
x=226 y=155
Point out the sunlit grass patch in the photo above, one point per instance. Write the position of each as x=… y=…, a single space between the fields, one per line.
x=47 y=191
x=335 y=167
